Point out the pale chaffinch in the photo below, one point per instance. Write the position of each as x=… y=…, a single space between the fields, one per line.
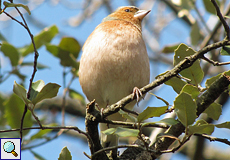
x=114 y=62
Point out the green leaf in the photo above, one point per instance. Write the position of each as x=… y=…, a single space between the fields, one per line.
x=37 y=156
x=65 y=154
x=39 y=65
x=168 y=121
x=223 y=125
x=76 y=95
x=185 y=109
x=225 y=50
x=201 y=128
x=151 y=112
x=45 y=36
x=163 y=100
x=127 y=116
x=195 y=34
x=211 y=80
x=67 y=59
x=126 y=132
x=227 y=17
x=210 y=7
x=121 y=132
x=192 y=90
x=48 y=91
x=194 y=73
x=109 y=131
x=7 y=4
x=36 y=88
x=71 y=45
x=176 y=83
x=11 y=52
x=14 y=108
x=2 y=38
x=169 y=48
x=20 y=91
x=42 y=133
x=214 y=111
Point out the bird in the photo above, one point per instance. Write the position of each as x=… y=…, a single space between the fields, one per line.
x=115 y=63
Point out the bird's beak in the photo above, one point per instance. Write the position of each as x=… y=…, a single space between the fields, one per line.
x=141 y=14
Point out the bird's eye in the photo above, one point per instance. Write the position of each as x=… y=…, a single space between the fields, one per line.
x=127 y=10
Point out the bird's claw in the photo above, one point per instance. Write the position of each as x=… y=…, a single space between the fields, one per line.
x=137 y=93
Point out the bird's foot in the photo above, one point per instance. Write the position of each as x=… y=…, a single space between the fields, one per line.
x=137 y=93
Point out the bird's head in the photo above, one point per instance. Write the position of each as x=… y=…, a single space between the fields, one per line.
x=129 y=13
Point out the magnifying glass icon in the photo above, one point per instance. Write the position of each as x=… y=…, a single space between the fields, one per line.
x=9 y=147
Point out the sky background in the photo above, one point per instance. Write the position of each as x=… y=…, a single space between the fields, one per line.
x=48 y=13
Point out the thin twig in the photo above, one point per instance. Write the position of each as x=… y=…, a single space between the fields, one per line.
x=215 y=63
x=225 y=24
x=223 y=140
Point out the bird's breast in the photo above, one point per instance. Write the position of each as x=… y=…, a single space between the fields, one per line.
x=114 y=61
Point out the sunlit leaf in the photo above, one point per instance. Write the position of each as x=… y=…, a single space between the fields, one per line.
x=7 y=4
x=211 y=80
x=194 y=73
x=223 y=125
x=71 y=45
x=48 y=91
x=151 y=112
x=169 y=48
x=21 y=92
x=176 y=83
x=65 y=154
x=45 y=36
x=201 y=128
x=192 y=90
x=185 y=109
x=126 y=132
x=67 y=59
x=214 y=111
x=36 y=88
